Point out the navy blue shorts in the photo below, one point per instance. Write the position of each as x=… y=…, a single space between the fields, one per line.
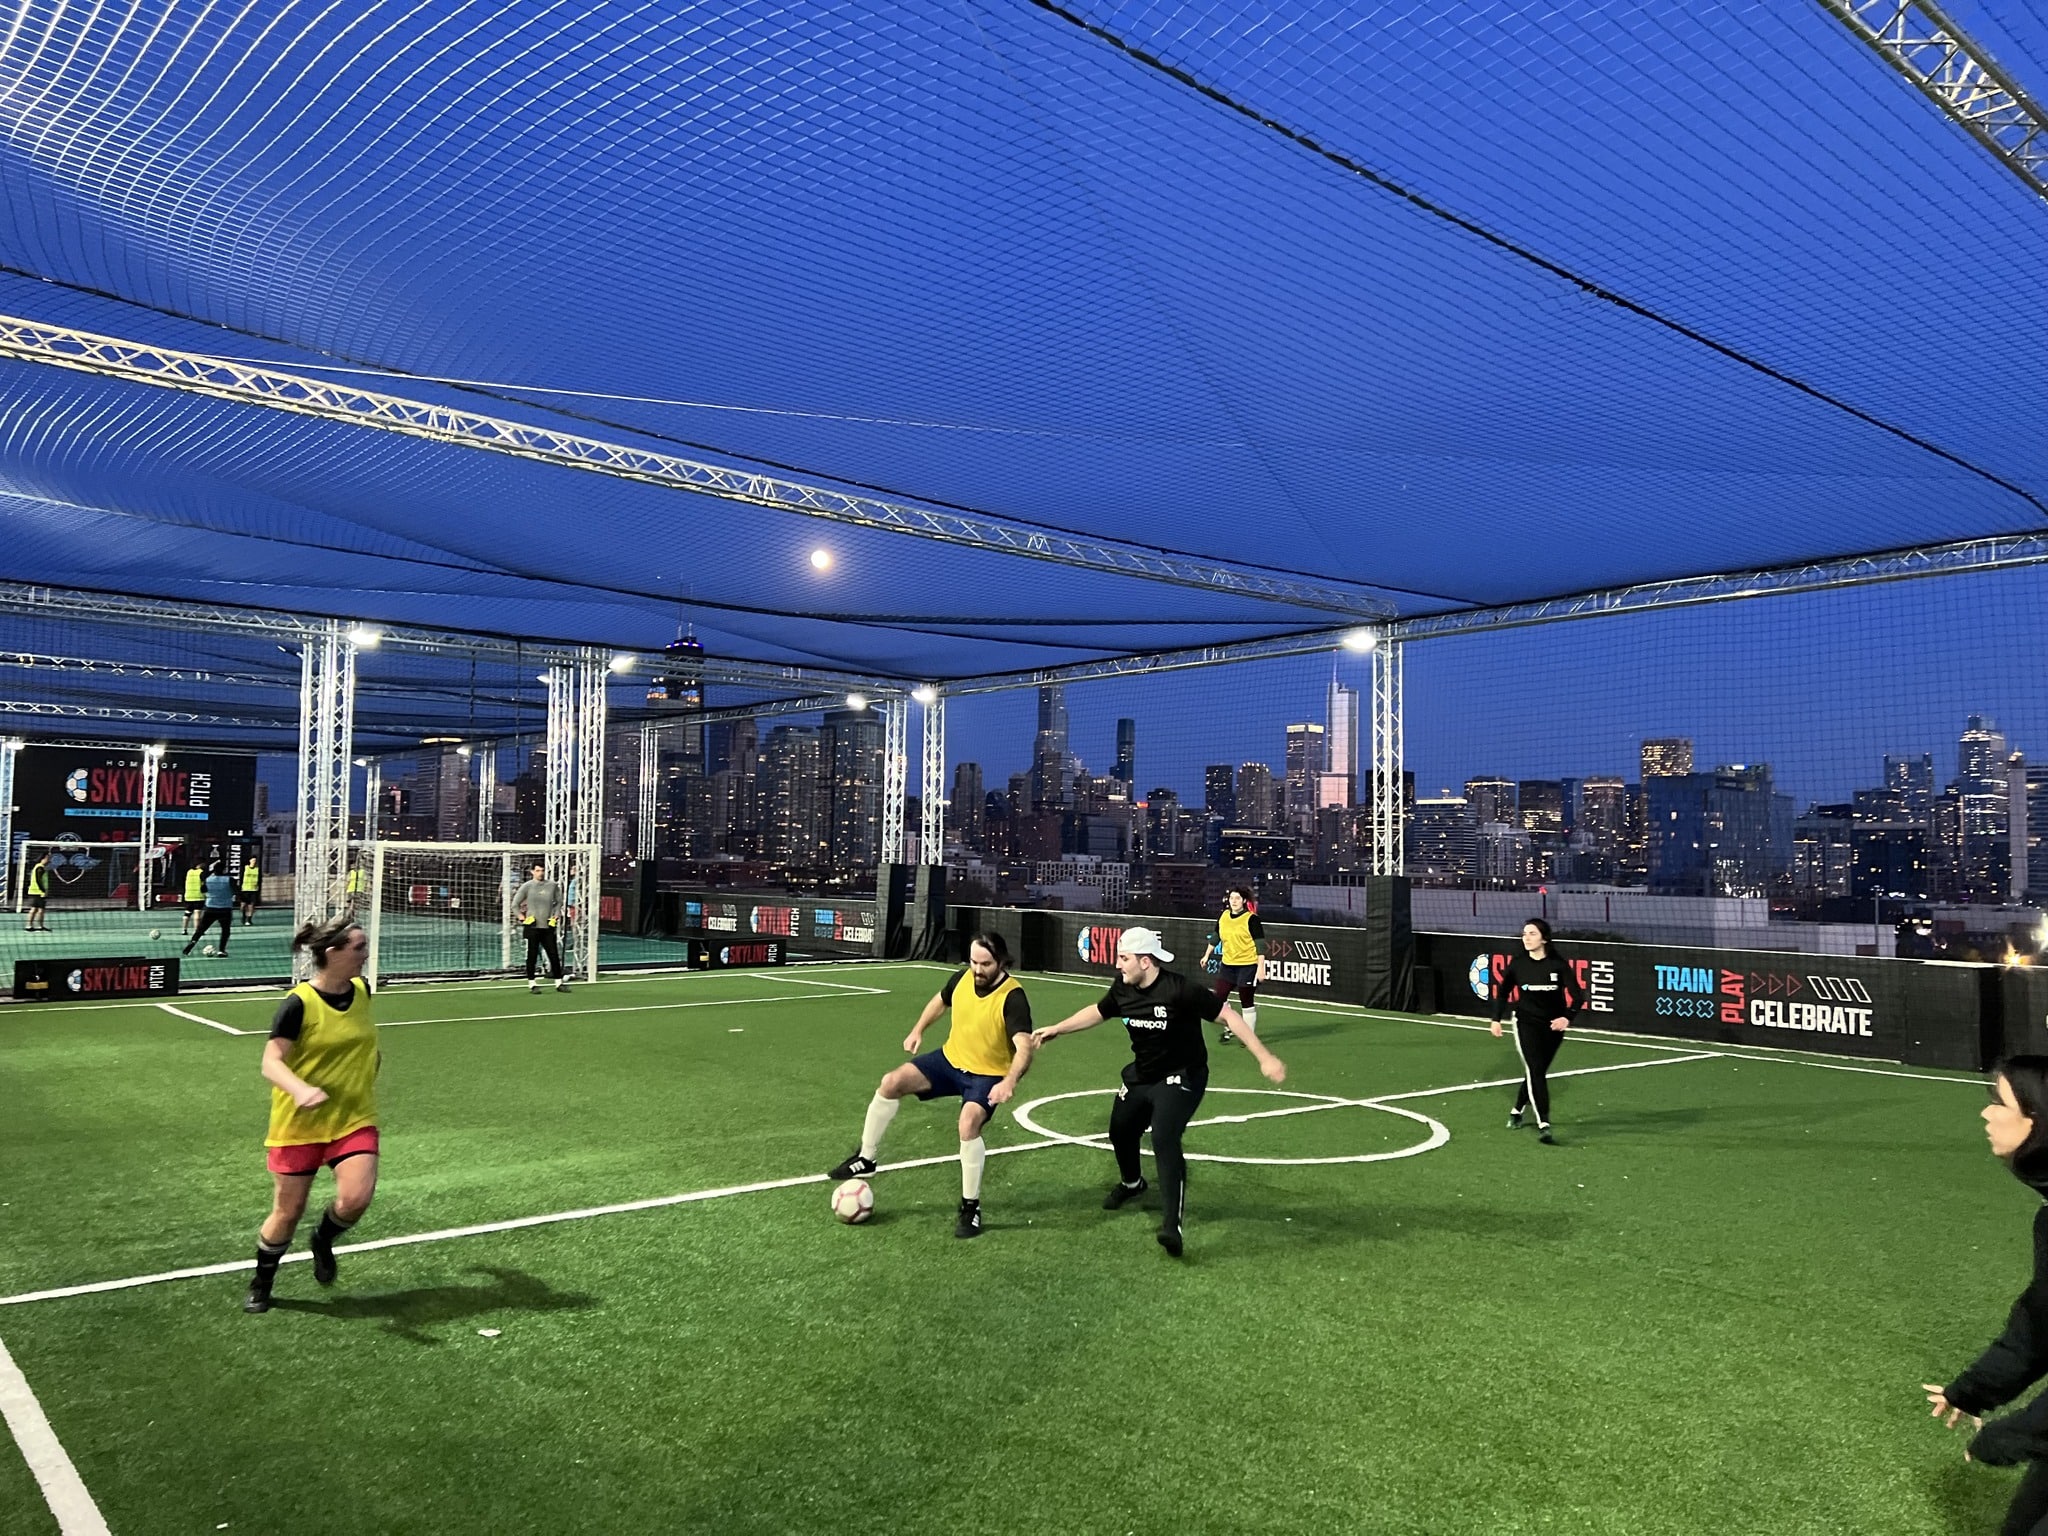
x=1230 y=977
x=948 y=1081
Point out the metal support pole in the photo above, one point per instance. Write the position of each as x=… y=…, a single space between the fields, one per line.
x=1388 y=812
x=152 y=765
x=327 y=690
x=650 y=780
x=593 y=669
x=486 y=790
x=8 y=748
x=373 y=797
x=931 y=838
x=559 y=811
x=895 y=771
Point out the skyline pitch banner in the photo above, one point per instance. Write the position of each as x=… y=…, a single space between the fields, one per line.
x=94 y=795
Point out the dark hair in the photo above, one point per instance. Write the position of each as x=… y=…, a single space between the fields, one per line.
x=2029 y=1078
x=323 y=934
x=1240 y=890
x=995 y=945
x=1542 y=927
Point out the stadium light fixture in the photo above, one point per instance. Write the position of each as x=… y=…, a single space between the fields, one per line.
x=856 y=701
x=362 y=762
x=1360 y=639
x=623 y=662
x=463 y=751
x=364 y=638
x=821 y=559
x=925 y=694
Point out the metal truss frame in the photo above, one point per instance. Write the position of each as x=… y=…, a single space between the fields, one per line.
x=326 y=727
x=270 y=388
x=145 y=883
x=373 y=797
x=648 y=811
x=895 y=709
x=1956 y=73
x=8 y=748
x=1389 y=792
x=931 y=830
x=485 y=755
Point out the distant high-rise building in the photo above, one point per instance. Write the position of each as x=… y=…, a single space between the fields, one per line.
x=678 y=682
x=1666 y=757
x=1442 y=841
x=1255 y=796
x=1219 y=791
x=1126 y=769
x=1162 y=824
x=1725 y=833
x=1307 y=759
x=850 y=769
x=791 y=813
x=2037 y=833
x=1603 y=826
x=1912 y=780
x=1541 y=805
x=968 y=809
x=1983 y=853
x=1051 y=762
x=1343 y=746
x=2016 y=826
x=1492 y=799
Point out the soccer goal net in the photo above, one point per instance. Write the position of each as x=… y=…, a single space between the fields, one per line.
x=453 y=909
x=82 y=877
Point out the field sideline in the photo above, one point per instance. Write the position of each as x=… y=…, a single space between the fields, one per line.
x=600 y=1290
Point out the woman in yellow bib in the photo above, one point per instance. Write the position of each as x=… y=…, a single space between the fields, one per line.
x=1243 y=967
x=321 y=1063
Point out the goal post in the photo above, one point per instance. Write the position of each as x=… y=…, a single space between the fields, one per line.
x=447 y=909
x=88 y=877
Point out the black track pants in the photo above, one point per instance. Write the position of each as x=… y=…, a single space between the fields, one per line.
x=1538 y=1044
x=540 y=940
x=2028 y=1515
x=213 y=917
x=1166 y=1107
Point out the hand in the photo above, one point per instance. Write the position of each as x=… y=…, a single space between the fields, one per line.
x=306 y=1096
x=1040 y=1037
x=911 y=1042
x=1938 y=1398
x=1496 y=1029
x=1001 y=1093
x=1273 y=1070
x=1560 y=1025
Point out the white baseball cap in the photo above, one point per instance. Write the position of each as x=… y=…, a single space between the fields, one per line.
x=1143 y=941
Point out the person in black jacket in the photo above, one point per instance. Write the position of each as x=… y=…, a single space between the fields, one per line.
x=1547 y=996
x=2016 y=1124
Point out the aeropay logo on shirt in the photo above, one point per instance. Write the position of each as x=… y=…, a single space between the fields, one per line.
x=1814 y=1004
x=1097 y=944
x=1158 y=1019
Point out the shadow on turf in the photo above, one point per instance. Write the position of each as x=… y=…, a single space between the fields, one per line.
x=410 y=1313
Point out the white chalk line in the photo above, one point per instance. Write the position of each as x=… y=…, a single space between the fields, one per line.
x=225 y=1029
x=63 y=1489
x=568 y=1013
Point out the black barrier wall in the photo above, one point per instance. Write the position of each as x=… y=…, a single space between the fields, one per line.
x=1838 y=1004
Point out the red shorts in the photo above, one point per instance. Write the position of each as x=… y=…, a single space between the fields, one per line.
x=312 y=1156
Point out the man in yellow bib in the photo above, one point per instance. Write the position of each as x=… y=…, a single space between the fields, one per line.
x=195 y=891
x=987 y=1050
x=1239 y=933
x=252 y=886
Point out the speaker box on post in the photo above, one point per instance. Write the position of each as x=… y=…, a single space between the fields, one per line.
x=926 y=920
x=892 y=900
x=1389 y=944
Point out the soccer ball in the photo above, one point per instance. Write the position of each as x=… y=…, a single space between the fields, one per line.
x=154 y=934
x=853 y=1202
x=208 y=949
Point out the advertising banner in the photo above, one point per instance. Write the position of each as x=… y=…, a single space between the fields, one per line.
x=810 y=927
x=95 y=795
x=45 y=981
x=719 y=956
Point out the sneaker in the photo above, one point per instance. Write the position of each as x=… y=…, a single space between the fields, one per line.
x=324 y=1266
x=1121 y=1194
x=1514 y=1120
x=1543 y=1135
x=533 y=986
x=1169 y=1239
x=968 y=1223
x=561 y=983
x=855 y=1167
x=259 y=1299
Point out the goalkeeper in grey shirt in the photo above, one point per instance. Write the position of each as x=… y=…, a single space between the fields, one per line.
x=538 y=907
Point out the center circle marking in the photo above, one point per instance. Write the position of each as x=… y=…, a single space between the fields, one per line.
x=1439 y=1133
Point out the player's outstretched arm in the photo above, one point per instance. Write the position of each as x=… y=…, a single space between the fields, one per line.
x=915 y=1038
x=1022 y=1048
x=1072 y=1024
x=1271 y=1067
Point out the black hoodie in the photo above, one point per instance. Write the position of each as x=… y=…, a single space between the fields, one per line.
x=2016 y=1360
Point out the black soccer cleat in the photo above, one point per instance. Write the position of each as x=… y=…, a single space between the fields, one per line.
x=1121 y=1194
x=1169 y=1239
x=1514 y=1119
x=324 y=1266
x=855 y=1167
x=968 y=1223
x=258 y=1300
x=1543 y=1135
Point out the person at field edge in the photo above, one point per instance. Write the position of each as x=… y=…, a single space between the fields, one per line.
x=538 y=906
x=357 y=884
x=195 y=892
x=219 y=911
x=38 y=896
x=988 y=1049
x=321 y=1063
x=252 y=887
x=2016 y=1125
x=1241 y=963
x=1547 y=997
x=1169 y=1069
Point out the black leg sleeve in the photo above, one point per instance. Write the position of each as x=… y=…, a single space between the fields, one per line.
x=1537 y=1042
x=1128 y=1118
x=2028 y=1515
x=1173 y=1106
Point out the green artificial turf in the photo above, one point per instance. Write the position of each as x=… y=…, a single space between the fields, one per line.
x=1707 y=1309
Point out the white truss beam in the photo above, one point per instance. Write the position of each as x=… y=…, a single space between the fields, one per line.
x=246 y=384
x=646 y=820
x=152 y=762
x=8 y=748
x=895 y=771
x=931 y=830
x=326 y=728
x=1958 y=75
x=1389 y=795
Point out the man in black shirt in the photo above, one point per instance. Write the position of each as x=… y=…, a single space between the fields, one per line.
x=1169 y=1070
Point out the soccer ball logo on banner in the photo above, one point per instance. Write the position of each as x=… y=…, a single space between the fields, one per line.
x=75 y=784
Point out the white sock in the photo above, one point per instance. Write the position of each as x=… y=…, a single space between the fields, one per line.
x=972 y=1155
x=880 y=1112
x=1251 y=1017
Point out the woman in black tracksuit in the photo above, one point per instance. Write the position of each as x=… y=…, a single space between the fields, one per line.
x=1547 y=996
x=2016 y=1123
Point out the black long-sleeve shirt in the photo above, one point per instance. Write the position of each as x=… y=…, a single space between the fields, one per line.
x=1543 y=989
x=2016 y=1360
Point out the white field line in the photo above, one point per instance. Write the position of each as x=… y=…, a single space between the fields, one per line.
x=482 y=1228
x=1621 y=1039
x=570 y=1013
x=209 y=1023
x=846 y=988
x=63 y=1489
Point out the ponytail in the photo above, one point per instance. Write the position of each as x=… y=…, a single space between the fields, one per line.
x=323 y=934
